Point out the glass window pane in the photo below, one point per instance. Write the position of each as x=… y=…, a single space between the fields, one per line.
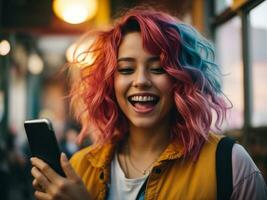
x=258 y=39
x=221 y=5
x=228 y=44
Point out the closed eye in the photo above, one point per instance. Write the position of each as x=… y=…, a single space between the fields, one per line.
x=126 y=71
x=157 y=70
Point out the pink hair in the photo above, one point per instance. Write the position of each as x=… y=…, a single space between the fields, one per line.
x=194 y=93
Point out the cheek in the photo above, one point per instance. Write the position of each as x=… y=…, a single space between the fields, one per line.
x=165 y=85
x=120 y=87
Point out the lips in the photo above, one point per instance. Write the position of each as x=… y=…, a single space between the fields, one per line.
x=143 y=103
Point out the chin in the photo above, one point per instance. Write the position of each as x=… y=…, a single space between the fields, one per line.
x=145 y=123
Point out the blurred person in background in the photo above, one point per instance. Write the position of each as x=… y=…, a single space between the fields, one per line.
x=15 y=179
x=149 y=95
x=68 y=145
x=4 y=186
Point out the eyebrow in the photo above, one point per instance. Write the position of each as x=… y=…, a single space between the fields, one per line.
x=153 y=58
x=130 y=59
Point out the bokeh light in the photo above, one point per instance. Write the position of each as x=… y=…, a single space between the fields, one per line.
x=4 y=47
x=75 y=11
x=35 y=64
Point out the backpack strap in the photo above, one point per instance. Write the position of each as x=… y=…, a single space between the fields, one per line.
x=224 y=168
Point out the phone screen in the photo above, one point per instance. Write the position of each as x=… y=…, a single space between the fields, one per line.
x=43 y=143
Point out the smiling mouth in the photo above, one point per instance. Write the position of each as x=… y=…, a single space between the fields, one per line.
x=143 y=103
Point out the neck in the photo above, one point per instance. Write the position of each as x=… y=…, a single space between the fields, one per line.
x=148 y=141
x=142 y=148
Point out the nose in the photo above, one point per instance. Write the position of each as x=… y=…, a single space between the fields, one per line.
x=142 y=79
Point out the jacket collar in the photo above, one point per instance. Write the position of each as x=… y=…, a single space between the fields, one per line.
x=173 y=151
x=101 y=156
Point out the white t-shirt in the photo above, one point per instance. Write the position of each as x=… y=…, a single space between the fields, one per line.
x=123 y=188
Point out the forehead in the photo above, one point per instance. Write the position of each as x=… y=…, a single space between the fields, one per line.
x=132 y=46
x=130 y=43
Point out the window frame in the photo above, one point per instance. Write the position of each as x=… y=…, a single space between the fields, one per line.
x=241 y=9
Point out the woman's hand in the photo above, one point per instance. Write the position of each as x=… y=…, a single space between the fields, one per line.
x=51 y=186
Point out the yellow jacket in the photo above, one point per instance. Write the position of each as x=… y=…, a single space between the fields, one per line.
x=172 y=177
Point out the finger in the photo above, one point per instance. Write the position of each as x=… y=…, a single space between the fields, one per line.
x=41 y=180
x=37 y=186
x=41 y=195
x=67 y=168
x=51 y=175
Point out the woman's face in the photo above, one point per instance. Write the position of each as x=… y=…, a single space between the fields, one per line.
x=143 y=89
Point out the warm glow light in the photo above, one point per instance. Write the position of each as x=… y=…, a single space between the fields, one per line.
x=4 y=47
x=75 y=11
x=35 y=64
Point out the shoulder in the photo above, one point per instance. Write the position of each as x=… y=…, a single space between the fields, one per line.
x=214 y=138
x=247 y=178
x=242 y=164
x=96 y=156
x=80 y=158
x=81 y=154
x=242 y=161
x=212 y=141
x=207 y=152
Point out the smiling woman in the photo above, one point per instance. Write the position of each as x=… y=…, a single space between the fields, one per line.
x=149 y=95
x=143 y=89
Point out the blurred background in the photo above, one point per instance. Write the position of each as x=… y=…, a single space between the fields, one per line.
x=37 y=39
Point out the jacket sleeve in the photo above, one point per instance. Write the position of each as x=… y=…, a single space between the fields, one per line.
x=248 y=182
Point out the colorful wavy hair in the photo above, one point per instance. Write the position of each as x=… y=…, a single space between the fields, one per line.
x=184 y=54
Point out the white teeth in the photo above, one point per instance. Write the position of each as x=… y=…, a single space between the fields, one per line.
x=145 y=98
x=142 y=98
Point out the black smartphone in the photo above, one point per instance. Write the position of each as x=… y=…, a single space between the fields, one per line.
x=43 y=143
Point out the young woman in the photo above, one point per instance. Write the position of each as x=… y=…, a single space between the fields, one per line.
x=148 y=98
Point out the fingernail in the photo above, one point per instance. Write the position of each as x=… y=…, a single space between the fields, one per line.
x=64 y=157
x=31 y=159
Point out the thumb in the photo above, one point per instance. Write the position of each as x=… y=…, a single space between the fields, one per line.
x=67 y=168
